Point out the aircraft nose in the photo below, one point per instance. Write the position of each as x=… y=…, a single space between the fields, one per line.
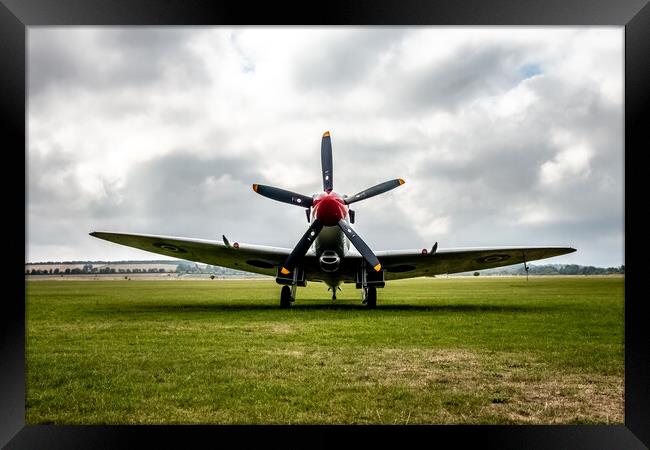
x=329 y=209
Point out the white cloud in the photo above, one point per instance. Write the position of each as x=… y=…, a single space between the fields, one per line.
x=569 y=165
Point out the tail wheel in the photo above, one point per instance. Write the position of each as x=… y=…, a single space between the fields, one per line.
x=285 y=297
x=371 y=299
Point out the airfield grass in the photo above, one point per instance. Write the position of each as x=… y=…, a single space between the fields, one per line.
x=441 y=351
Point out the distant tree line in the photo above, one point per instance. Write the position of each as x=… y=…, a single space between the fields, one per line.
x=179 y=267
x=88 y=268
x=104 y=270
x=557 y=269
x=187 y=267
x=161 y=261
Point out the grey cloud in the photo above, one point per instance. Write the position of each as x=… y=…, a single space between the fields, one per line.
x=500 y=163
x=178 y=194
x=170 y=184
x=56 y=205
x=50 y=61
x=182 y=194
x=46 y=172
x=147 y=53
x=116 y=58
x=345 y=59
x=361 y=164
x=470 y=72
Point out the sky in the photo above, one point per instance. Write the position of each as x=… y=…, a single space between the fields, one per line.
x=505 y=136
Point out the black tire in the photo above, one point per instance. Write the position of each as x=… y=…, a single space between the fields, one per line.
x=371 y=299
x=285 y=297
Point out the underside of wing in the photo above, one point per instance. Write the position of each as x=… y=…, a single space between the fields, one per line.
x=251 y=258
x=414 y=263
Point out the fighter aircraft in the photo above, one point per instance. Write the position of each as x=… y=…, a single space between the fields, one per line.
x=323 y=253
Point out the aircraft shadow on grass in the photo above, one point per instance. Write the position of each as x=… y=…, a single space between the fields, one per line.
x=150 y=308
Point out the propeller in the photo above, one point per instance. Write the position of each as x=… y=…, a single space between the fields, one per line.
x=300 y=250
x=282 y=195
x=360 y=245
x=375 y=190
x=329 y=209
x=326 y=162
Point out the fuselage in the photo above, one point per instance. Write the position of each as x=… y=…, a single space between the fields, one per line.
x=331 y=245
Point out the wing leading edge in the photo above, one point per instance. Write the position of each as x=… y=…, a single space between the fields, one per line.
x=251 y=258
x=413 y=263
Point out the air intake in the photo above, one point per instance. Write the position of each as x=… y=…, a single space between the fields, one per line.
x=329 y=261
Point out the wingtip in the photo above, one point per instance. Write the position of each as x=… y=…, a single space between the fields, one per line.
x=92 y=233
x=255 y=187
x=326 y=134
x=401 y=182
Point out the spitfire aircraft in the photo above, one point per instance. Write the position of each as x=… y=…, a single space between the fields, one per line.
x=323 y=253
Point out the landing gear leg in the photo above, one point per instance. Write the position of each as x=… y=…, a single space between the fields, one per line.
x=285 y=297
x=288 y=291
x=288 y=294
x=334 y=289
x=294 y=285
x=369 y=295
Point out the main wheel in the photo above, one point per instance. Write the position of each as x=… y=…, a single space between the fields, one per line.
x=285 y=297
x=371 y=299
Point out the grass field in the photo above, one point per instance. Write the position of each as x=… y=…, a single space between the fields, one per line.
x=444 y=350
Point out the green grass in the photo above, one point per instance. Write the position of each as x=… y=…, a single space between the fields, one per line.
x=444 y=350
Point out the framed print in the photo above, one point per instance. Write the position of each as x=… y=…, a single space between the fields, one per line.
x=200 y=98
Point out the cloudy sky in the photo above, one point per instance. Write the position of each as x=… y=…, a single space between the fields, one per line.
x=505 y=136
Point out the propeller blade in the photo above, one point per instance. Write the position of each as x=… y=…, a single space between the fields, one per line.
x=300 y=250
x=326 y=161
x=358 y=243
x=283 y=196
x=375 y=190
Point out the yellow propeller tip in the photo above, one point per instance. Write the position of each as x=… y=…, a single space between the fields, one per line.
x=326 y=134
x=401 y=182
x=377 y=267
x=284 y=271
x=255 y=187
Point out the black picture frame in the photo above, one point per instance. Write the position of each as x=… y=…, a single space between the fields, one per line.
x=17 y=15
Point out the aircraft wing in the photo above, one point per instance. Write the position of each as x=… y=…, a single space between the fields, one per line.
x=413 y=263
x=397 y=263
x=251 y=258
